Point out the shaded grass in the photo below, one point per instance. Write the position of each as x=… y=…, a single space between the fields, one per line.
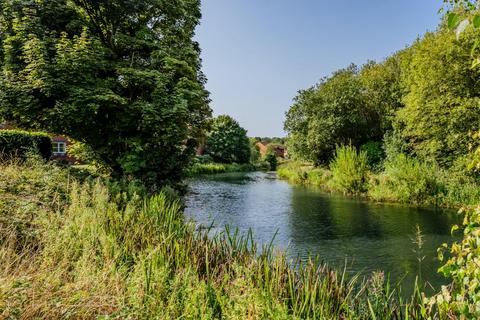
x=215 y=168
x=76 y=250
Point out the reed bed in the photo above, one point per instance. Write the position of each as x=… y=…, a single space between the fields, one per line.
x=78 y=250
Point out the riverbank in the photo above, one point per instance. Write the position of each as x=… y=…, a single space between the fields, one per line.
x=84 y=249
x=215 y=168
x=404 y=181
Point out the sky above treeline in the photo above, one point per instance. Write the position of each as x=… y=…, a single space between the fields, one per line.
x=258 y=53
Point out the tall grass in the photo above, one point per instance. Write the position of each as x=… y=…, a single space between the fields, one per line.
x=75 y=250
x=407 y=180
x=404 y=179
x=215 y=168
x=305 y=174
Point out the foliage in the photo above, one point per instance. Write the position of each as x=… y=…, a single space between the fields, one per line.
x=254 y=150
x=203 y=159
x=394 y=144
x=349 y=170
x=462 y=297
x=89 y=253
x=214 y=168
x=382 y=90
x=122 y=78
x=407 y=180
x=442 y=101
x=272 y=160
x=17 y=143
x=228 y=142
x=375 y=154
x=304 y=174
x=350 y=107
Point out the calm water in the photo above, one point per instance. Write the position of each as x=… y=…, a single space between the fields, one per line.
x=368 y=236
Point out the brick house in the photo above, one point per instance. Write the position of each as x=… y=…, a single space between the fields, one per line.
x=60 y=145
x=279 y=150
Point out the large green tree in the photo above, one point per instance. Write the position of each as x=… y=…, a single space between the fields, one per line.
x=335 y=111
x=227 y=141
x=121 y=76
x=442 y=96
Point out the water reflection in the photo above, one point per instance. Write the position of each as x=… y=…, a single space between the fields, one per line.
x=369 y=236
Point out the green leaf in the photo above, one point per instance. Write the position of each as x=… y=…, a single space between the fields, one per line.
x=371 y=310
x=476 y=21
x=453 y=20
x=454 y=228
x=475 y=63
x=462 y=26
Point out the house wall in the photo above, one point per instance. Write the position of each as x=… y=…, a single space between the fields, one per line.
x=67 y=158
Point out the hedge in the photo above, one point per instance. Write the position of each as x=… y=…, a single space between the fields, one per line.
x=18 y=143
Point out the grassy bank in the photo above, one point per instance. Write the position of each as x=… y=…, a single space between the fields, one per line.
x=403 y=180
x=79 y=250
x=215 y=168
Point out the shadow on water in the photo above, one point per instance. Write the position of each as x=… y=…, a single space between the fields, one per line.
x=369 y=236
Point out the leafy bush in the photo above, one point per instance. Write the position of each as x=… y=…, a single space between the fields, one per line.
x=17 y=143
x=349 y=170
x=298 y=173
x=227 y=141
x=214 y=168
x=271 y=158
x=254 y=150
x=407 y=180
x=463 y=296
x=203 y=159
x=375 y=154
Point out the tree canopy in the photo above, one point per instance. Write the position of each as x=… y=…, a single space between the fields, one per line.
x=121 y=76
x=441 y=97
x=426 y=98
x=341 y=109
x=227 y=141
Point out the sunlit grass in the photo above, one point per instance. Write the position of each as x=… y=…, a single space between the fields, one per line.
x=76 y=250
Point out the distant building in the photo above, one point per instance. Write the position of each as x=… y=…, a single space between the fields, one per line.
x=278 y=149
x=262 y=147
x=60 y=145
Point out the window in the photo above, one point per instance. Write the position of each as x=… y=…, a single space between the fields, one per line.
x=59 y=148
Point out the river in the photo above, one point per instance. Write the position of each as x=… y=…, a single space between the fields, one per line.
x=343 y=231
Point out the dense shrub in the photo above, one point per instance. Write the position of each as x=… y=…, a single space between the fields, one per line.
x=214 y=168
x=375 y=154
x=254 y=150
x=462 y=298
x=407 y=180
x=298 y=173
x=203 y=159
x=349 y=170
x=227 y=141
x=272 y=160
x=17 y=143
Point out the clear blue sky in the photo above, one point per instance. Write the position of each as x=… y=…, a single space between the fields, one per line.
x=258 y=53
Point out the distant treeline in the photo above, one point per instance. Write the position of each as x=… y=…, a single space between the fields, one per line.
x=422 y=101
